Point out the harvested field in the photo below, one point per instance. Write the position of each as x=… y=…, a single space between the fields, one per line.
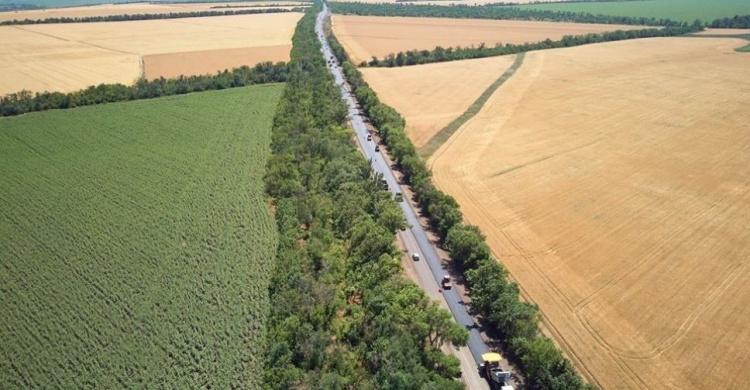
x=209 y=61
x=430 y=96
x=133 y=9
x=367 y=36
x=66 y=57
x=612 y=180
x=724 y=31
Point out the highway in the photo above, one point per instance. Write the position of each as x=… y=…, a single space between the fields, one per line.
x=429 y=268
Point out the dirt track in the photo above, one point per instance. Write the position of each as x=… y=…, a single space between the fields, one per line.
x=612 y=180
x=431 y=96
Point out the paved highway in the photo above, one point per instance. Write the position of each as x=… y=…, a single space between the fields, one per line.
x=430 y=269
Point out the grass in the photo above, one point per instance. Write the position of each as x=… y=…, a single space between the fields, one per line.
x=682 y=10
x=441 y=136
x=136 y=243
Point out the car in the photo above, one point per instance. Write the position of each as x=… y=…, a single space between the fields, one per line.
x=415 y=256
x=369 y=137
x=446 y=282
x=377 y=148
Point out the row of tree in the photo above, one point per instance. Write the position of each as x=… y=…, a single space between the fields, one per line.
x=492 y=294
x=440 y=54
x=25 y=101
x=491 y=12
x=737 y=21
x=341 y=316
x=126 y=17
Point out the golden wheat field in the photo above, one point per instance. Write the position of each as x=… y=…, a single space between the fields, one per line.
x=367 y=36
x=613 y=180
x=430 y=96
x=66 y=57
x=137 y=8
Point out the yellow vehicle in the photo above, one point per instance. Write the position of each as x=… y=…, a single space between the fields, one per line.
x=494 y=374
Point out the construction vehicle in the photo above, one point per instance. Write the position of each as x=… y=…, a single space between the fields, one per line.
x=494 y=374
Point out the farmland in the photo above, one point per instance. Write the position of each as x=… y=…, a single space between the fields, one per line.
x=684 y=10
x=612 y=181
x=136 y=243
x=367 y=36
x=133 y=9
x=430 y=96
x=66 y=57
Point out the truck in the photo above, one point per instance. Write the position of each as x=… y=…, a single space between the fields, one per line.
x=495 y=375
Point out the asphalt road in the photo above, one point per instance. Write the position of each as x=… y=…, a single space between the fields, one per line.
x=415 y=238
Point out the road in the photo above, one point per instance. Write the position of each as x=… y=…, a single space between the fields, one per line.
x=429 y=268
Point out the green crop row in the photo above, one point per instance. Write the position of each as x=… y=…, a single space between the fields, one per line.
x=136 y=243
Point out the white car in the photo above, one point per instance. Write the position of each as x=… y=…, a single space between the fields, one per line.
x=415 y=256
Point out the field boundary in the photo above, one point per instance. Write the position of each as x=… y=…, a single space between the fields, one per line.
x=741 y=49
x=446 y=132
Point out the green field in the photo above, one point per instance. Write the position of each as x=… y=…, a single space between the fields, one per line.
x=136 y=243
x=682 y=10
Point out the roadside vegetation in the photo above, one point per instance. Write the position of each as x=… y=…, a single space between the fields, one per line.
x=493 y=296
x=25 y=101
x=342 y=314
x=136 y=243
x=126 y=17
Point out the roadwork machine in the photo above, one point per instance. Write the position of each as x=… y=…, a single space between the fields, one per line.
x=494 y=374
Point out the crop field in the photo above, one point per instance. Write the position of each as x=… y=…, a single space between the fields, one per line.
x=367 y=36
x=683 y=10
x=136 y=243
x=67 y=57
x=450 y=2
x=135 y=8
x=430 y=96
x=612 y=180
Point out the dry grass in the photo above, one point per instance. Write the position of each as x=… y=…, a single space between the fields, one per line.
x=65 y=57
x=431 y=96
x=130 y=9
x=367 y=36
x=612 y=180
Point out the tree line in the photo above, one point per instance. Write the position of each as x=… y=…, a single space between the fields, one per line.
x=26 y=101
x=738 y=21
x=440 y=54
x=493 y=295
x=126 y=17
x=491 y=12
x=341 y=315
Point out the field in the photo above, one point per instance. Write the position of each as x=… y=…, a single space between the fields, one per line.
x=612 y=180
x=430 y=96
x=683 y=10
x=133 y=9
x=449 y=2
x=67 y=57
x=367 y=36
x=136 y=243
